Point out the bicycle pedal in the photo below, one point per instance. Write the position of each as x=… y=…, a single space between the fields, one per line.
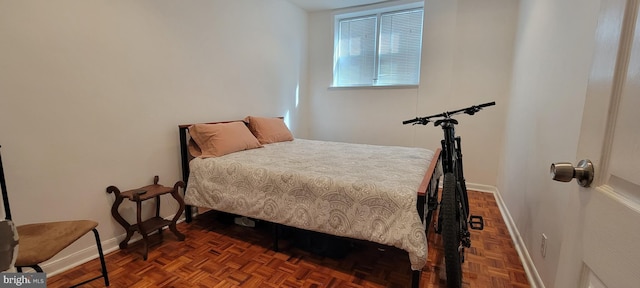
x=466 y=243
x=476 y=222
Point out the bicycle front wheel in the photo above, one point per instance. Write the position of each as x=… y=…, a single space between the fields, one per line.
x=451 y=232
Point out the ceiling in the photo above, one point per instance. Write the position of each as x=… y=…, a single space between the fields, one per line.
x=317 y=5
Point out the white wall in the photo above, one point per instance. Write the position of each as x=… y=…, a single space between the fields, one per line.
x=552 y=60
x=91 y=93
x=466 y=60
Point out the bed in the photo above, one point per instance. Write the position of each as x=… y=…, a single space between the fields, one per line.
x=368 y=192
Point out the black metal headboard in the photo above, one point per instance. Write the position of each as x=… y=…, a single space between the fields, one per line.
x=184 y=162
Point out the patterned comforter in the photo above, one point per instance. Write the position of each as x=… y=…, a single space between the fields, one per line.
x=354 y=190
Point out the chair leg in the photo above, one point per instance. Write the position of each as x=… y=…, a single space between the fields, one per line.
x=104 y=265
x=34 y=267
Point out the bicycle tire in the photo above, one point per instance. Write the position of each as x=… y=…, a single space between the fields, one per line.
x=450 y=232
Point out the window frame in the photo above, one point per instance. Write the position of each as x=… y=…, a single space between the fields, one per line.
x=377 y=13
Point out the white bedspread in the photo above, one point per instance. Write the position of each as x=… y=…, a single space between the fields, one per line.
x=360 y=191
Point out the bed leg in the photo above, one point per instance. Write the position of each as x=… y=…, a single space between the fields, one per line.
x=275 y=236
x=415 y=278
x=187 y=213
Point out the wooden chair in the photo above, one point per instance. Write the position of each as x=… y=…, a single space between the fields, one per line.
x=39 y=242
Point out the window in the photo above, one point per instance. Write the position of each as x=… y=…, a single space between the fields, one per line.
x=378 y=48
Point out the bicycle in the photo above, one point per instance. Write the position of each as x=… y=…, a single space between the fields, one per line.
x=454 y=219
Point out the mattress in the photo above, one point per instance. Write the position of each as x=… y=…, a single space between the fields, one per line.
x=359 y=191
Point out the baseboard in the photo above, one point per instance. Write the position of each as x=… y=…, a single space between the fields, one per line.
x=63 y=264
x=532 y=273
x=481 y=188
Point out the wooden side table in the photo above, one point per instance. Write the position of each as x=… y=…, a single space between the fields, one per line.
x=144 y=227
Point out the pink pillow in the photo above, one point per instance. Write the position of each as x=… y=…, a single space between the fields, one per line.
x=269 y=130
x=219 y=139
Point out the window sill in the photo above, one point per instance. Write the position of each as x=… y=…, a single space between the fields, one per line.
x=373 y=87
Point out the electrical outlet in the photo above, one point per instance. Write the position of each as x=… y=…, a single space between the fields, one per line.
x=543 y=245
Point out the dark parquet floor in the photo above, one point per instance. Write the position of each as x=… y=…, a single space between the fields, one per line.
x=218 y=253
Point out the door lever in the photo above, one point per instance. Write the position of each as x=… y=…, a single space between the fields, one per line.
x=564 y=172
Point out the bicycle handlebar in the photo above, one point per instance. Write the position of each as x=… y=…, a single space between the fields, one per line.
x=469 y=110
x=405 y=122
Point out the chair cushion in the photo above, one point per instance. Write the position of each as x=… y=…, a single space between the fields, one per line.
x=39 y=242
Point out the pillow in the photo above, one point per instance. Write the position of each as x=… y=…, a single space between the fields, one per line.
x=219 y=139
x=194 y=149
x=269 y=130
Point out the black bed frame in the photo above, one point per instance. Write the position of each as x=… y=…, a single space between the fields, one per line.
x=424 y=203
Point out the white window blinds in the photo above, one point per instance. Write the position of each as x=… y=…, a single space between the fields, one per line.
x=356 y=52
x=379 y=50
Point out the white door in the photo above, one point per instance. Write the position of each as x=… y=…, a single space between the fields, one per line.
x=602 y=240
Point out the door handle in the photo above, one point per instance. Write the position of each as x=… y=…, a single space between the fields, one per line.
x=564 y=172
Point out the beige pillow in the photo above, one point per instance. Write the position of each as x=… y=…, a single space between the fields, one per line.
x=269 y=130
x=219 y=139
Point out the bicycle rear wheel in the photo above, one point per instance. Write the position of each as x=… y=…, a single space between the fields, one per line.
x=451 y=232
